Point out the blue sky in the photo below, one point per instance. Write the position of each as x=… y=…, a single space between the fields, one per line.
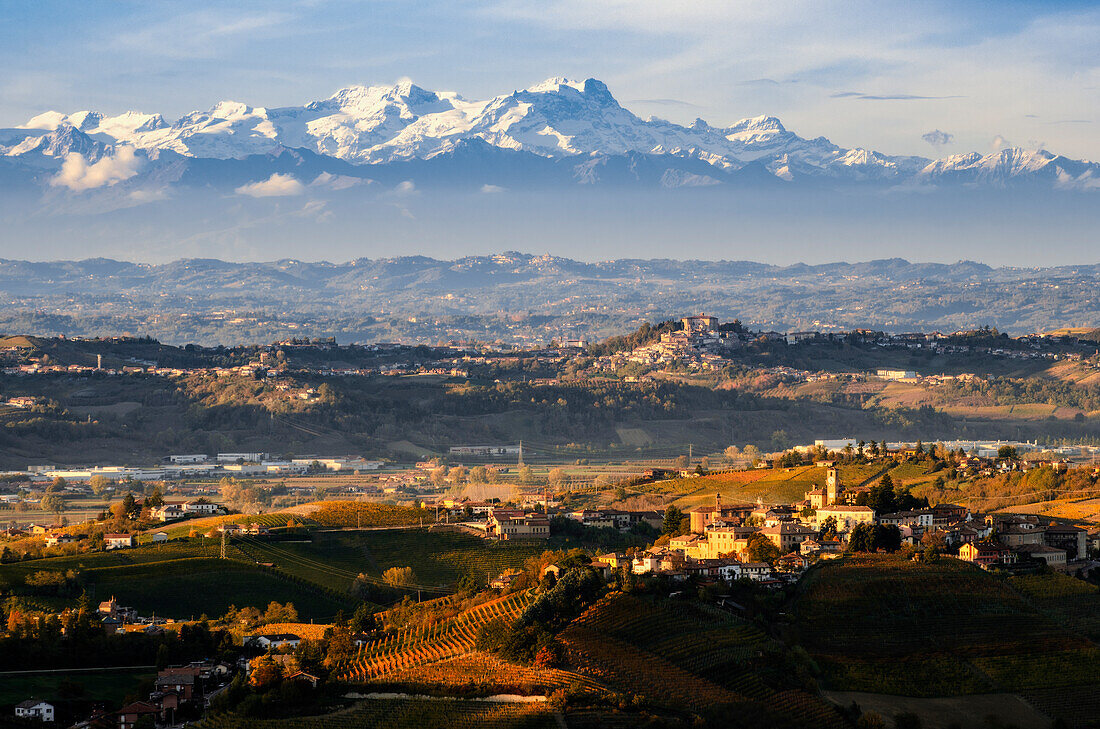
x=878 y=74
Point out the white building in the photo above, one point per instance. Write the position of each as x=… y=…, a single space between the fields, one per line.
x=276 y=640
x=34 y=709
x=234 y=457
x=201 y=507
x=192 y=458
x=119 y=541
x=168 y=512
x=897 y=374
x=245 y=469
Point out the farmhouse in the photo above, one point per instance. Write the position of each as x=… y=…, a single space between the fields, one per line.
x=304 y=678
x=168 y=512
x=119 y=541
x=34 y=709
x=275 y=640
x=515 y=524
x=201 y=507
x=53 y=540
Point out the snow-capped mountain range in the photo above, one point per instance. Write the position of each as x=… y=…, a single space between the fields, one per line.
x=559 y=131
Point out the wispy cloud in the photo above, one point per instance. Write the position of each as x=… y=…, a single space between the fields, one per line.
x=206 y=33
x=663 y=102
x=888 y=97
x=767 y=82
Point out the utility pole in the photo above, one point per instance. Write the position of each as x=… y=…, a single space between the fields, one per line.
x=690 y=447
x=223 y=543
x=520 y=463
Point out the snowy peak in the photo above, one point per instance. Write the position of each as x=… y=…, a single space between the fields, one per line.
x=592 y=88
x=555 y=84
x=556 y=119
x=65 y=139
x=757 y=125
x=366 y=101
x=1009 y=165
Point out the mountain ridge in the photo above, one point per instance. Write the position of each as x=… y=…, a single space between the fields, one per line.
x=526 y=298
x=560 y=132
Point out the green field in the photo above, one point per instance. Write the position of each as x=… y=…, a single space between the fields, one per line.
x=14 y=572
x=181 y=579
x=109 y=686
x=184 y=577
x=886 y=625
x=438 y=558
x=190 y=587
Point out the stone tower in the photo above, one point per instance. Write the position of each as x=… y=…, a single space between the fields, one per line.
x=832 y=488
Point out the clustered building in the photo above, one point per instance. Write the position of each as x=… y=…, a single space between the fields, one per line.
x=722 y=532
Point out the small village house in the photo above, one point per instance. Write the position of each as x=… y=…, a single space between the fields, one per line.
x=34 y=709
x=119 y=541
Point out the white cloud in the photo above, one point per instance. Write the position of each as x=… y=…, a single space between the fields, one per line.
x=408 y=187
x=329 y=181
x=492 y=188
x=77 y=175
x=1000 y=143
x=278 y=185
